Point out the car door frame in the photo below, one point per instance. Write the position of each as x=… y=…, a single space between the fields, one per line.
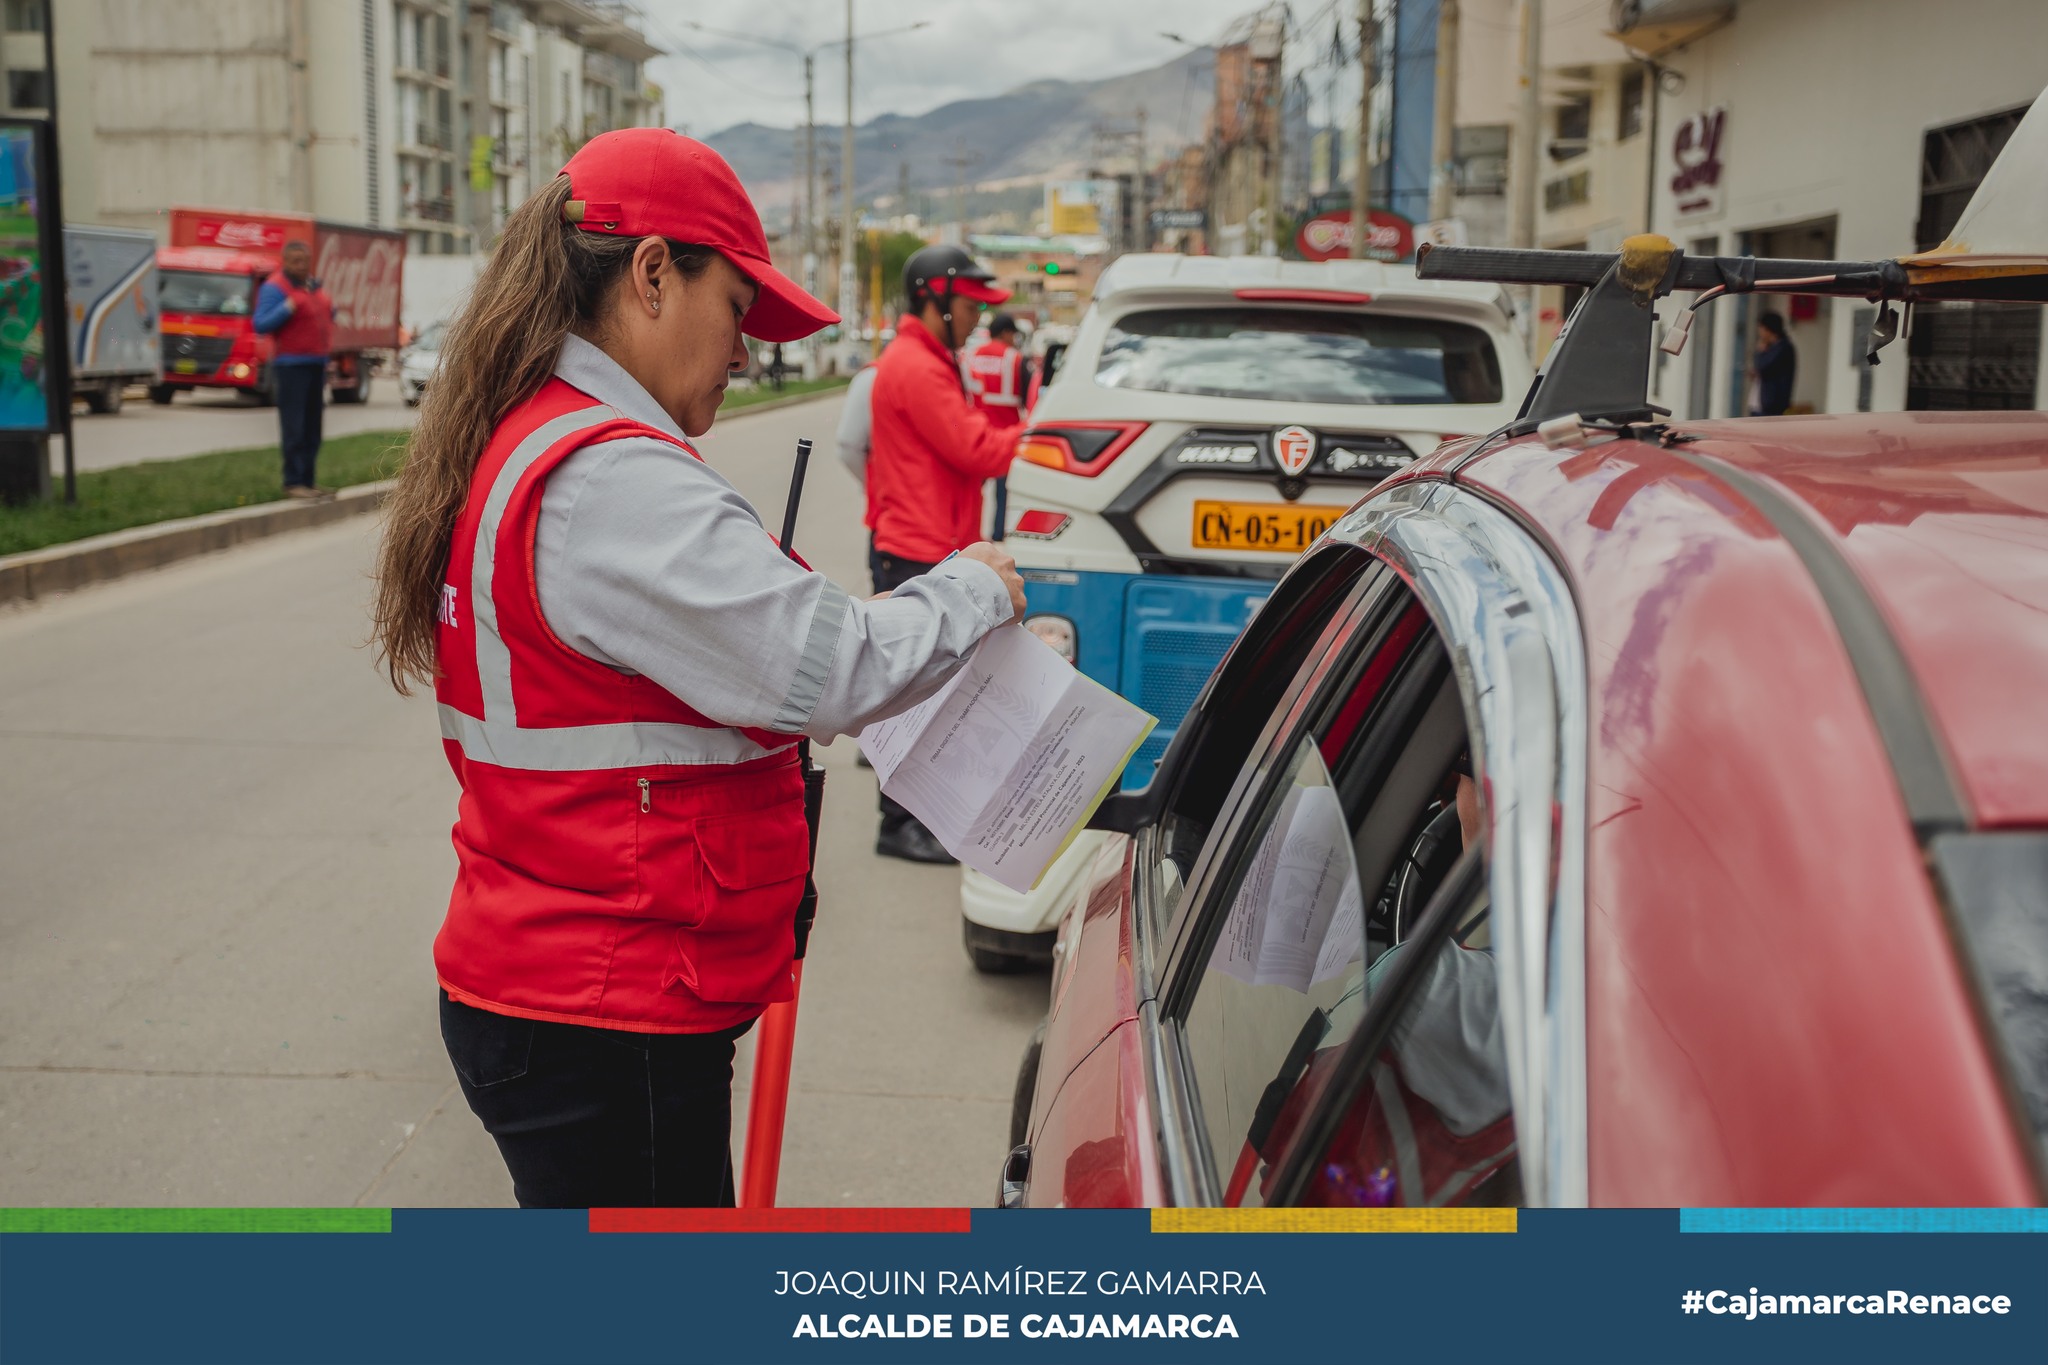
x=1504 y=611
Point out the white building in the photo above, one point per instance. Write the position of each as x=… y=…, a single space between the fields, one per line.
x=433 y=116
x=1849 y=130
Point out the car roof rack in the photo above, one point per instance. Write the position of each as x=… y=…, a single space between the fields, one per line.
x=1599 y=368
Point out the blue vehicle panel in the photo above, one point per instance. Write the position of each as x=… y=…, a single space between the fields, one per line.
x=1155 y=638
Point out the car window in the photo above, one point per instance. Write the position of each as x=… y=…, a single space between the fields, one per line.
x=1300 y=355
x=1248 y=689
x=1416 y=1113
x=1326 y=877
x=200 y=291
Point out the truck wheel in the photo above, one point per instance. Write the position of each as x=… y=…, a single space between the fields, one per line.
x=162 y=394
x=359 y=393
x=110 y=395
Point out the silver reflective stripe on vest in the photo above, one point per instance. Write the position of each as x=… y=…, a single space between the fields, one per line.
x=820 y=644
x=498 y=738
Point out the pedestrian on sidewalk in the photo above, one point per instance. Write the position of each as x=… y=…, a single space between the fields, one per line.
x=624 y=661
x=295 y=311
x=930 y=452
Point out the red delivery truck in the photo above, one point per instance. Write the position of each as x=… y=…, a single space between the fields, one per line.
x=206 y=300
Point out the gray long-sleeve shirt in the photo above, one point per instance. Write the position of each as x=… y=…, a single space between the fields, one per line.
x=650 y=562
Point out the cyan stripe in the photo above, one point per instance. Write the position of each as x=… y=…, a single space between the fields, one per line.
x=1863 y=1220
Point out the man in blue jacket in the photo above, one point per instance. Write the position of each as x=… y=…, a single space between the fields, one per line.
x=293 y=310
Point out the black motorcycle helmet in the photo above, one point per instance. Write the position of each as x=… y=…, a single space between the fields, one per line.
x=940 y=274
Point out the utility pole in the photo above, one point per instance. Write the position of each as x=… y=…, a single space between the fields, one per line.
x=810 y=177
x=849 y=278
x=1528 y=147
x=1443 y=138
x=959 y=161
x=1361 y=179
x=1143 y=225
x=1269 y=39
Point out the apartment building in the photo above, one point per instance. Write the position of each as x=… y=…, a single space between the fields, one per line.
x=436 y=117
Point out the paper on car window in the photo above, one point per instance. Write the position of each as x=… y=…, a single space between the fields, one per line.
x=1299 y=917
x=1006 y=762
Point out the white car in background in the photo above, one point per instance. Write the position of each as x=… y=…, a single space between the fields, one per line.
x=417 y=361
x=1211 y=417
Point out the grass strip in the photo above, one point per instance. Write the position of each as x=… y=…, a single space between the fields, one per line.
x=164 y=490
x=761 y=393
x=195 y=1220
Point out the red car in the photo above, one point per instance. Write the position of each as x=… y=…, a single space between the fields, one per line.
x=1640 y=813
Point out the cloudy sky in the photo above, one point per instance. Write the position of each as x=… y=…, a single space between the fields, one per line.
x=969 y=48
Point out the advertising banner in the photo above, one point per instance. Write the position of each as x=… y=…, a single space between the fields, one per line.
x=1327 y=236
x=948 y=1284
x=29 y=383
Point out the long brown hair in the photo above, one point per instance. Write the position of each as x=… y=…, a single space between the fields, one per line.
x=545 y=278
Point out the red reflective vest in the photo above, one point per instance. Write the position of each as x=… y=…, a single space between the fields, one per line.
x=310 y=328
x=624 y=861
x=995 y=377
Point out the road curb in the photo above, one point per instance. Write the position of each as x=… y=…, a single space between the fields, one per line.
x=75 y=564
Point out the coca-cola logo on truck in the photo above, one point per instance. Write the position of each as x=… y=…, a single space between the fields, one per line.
x=242 y=234
x=361 y=275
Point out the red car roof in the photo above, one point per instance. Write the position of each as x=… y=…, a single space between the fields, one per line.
x=1770 y=981
x=1944 y=516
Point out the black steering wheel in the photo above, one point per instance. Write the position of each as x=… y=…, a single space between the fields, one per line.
x=1423 y=869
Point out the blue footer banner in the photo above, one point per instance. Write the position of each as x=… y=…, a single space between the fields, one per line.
x=320 y=1285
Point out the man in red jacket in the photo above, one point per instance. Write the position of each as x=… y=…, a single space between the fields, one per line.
x=930 y=452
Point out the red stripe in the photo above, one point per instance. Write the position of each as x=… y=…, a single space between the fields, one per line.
x=779 y=1220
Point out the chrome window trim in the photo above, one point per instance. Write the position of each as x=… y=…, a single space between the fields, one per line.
x=1506 y=613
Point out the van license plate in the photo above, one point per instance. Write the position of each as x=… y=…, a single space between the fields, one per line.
x=185 y=366
x=1285 y=527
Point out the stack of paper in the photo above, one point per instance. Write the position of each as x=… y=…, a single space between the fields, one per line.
x=1005 y=764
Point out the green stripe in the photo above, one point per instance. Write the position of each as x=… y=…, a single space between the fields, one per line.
x=195 y=1220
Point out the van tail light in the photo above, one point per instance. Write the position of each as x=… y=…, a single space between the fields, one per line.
x=1083 y=448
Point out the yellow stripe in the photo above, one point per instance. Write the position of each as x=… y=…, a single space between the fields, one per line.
x=1333 y=1220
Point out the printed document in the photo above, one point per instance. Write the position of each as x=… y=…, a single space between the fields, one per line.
x=1299 y=917
x=1006 y=762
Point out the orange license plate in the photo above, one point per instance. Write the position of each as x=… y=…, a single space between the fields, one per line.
x=1283 y=527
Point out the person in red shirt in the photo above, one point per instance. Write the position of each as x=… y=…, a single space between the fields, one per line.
x=930 y=452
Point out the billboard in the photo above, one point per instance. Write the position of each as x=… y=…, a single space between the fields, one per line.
x=1327 y=236
x=28 y=243
x=1079 y=208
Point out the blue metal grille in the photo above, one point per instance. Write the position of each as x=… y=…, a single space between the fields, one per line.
x=1174 y=666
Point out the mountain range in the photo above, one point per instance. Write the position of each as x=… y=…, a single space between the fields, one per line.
x=1045 y=130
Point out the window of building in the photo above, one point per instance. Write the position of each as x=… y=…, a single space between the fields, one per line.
x=1573 y=123
x=1634 y=100
x=24 y=16
x=28 y=89
x=1967 y=355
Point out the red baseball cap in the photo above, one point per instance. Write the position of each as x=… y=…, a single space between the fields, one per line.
x=654 y=182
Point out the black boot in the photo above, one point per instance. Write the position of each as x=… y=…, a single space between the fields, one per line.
x=911 y=841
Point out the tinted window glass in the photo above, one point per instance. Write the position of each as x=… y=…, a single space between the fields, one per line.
x=1326 y=877
x=1300 y=355
x=197 y=291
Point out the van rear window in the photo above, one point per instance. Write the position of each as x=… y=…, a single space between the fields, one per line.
x=1300 y=355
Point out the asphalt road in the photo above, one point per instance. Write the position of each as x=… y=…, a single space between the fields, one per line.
x=210 y=419
x=223 y=858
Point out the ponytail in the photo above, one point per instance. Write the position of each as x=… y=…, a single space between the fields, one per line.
x=545 y=278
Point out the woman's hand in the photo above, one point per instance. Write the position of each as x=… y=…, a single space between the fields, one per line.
x=1005 y=567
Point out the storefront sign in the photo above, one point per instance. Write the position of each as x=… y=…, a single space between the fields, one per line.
x=1696 y=151
x=1327 y=236
x=1167 y=220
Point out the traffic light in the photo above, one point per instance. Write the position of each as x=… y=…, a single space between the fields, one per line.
x=1052 y=267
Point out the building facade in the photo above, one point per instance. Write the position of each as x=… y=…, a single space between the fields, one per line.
x=436 y=117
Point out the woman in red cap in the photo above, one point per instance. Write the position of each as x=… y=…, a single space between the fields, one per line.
x=623 y=663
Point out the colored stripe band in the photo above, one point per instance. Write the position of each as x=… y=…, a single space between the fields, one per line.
x=195 y=1220
x=1863 y=1220
x=1333 y=1220
x=780 y=1220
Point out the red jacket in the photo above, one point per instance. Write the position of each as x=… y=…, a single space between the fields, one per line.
x=995 y=378
x=622 y=860
x=929 y=451
x=310 y=328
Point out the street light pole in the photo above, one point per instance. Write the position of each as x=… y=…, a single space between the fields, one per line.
x=810 y=178
x=1361 y=178
x=849 y=300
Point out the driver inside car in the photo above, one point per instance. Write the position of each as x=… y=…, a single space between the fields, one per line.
x=1433 y=1125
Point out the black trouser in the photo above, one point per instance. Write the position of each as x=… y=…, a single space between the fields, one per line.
x=301 y=392
x=889 y=572
x=596 y=1117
